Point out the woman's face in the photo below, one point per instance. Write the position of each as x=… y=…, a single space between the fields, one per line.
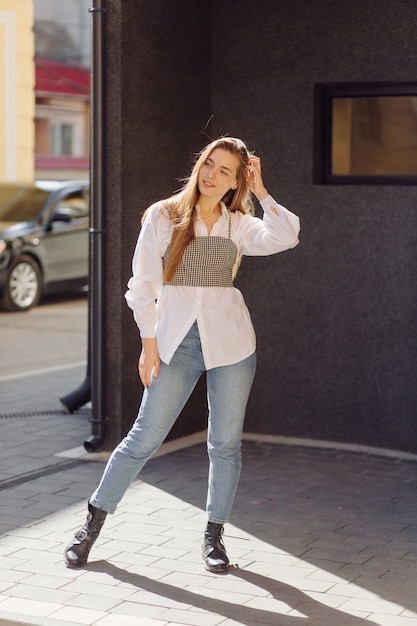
x=218 y=174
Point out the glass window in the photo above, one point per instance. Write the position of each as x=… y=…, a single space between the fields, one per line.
x=75 y=204
x=369 y=136
x=62 y=139
x=20 y=203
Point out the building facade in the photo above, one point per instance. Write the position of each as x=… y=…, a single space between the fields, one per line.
x=62 y=31
x=335 y=317
x=17 y=91
x=62 y=117
x=44 y=90
x=62 y=120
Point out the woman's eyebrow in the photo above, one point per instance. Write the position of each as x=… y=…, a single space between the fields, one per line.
x=224 y=167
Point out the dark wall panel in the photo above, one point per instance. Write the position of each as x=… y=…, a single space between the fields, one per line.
x=335 y=317
x=158 y=103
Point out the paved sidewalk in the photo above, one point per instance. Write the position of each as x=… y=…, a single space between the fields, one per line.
x=319 y=536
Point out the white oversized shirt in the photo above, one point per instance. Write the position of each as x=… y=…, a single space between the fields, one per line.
x=167 y=312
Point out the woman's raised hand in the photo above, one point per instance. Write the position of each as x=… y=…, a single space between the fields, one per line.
x=254 y=178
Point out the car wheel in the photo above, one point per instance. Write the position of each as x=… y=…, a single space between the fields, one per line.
x=23 y=286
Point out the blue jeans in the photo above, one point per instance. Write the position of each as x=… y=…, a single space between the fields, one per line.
x=228 y=389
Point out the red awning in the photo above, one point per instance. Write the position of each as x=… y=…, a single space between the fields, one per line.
x=55 y=77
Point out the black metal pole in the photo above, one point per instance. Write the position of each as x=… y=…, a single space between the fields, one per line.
x=98 y=229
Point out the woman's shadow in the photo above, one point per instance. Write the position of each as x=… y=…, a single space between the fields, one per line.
x=295 y=600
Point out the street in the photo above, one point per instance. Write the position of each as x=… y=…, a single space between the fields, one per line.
x=48 y=339
x=319 y=535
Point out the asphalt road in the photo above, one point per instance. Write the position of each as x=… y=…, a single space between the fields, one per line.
x=43 y=353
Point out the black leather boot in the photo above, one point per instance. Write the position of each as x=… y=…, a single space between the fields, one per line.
x=76 y=554
x=213 y=550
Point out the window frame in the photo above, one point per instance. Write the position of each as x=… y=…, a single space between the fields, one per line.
x=59 y=140
x=325 y=93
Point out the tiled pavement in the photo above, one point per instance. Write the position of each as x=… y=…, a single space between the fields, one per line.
x=319 y=536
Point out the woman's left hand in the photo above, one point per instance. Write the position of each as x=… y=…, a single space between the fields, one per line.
x=149 y=361
x=254 y=178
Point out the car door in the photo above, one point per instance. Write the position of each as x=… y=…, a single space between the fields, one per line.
x=66 y=237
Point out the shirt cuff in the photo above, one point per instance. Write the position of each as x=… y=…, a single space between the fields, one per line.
x=147 y=333
x=269 y=205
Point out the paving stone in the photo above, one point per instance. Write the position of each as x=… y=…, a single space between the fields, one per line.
x=99 y=603
x=157 y=598
x=27 y=607
x=305 y=557
x=377 y=605
x=78 y=615
x=411 y=611
x=29 y=592
x=392 y=620
x=192 y=618
x=126 y=620
x=97 y=589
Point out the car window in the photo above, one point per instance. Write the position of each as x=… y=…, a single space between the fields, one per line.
x=74 y=204
x=21 y=204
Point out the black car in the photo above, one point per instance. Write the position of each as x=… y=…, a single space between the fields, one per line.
x=44 y=241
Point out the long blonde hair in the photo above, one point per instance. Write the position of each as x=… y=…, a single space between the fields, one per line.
x=182 y=205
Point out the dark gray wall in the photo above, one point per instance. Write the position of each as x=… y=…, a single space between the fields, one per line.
x=158 y=102
x=335 y=316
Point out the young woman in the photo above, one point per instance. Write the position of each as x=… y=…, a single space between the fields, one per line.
x=191 y=319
